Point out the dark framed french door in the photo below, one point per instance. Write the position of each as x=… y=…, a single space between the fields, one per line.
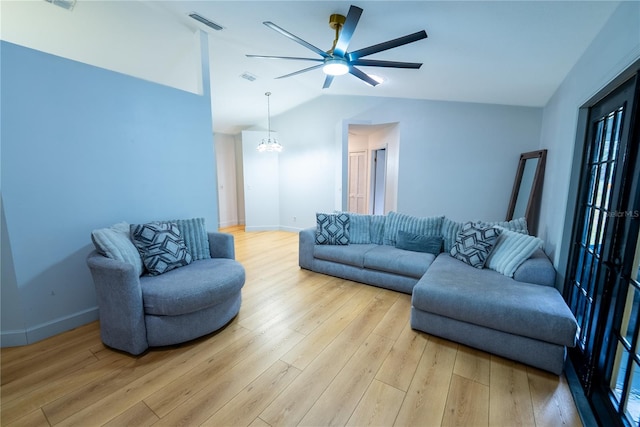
x=602 y=287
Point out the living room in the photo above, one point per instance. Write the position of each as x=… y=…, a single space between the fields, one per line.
x=85 y=136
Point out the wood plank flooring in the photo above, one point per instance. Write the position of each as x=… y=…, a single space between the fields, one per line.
x=306 y=349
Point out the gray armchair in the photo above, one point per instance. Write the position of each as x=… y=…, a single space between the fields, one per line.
x=174 y=307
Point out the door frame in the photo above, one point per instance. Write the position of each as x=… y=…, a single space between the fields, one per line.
x=576 y=168
x=596 y=396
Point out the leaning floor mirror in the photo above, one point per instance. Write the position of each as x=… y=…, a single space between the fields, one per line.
x=527 y=189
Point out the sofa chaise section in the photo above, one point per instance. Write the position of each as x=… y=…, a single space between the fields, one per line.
x=482 y=308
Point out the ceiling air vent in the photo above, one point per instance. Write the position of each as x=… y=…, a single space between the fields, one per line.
x=205 y=21
x=248 y=76
x=66 y=4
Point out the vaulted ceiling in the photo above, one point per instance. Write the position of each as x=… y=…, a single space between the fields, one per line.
x=499 y=52
x=503 y=52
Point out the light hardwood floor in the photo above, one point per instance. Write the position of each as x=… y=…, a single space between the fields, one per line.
x=306 y=349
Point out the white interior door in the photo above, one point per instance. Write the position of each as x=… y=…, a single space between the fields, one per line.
x=358 y=182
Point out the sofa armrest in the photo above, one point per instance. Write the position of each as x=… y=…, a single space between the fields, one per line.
x=119 y=295
x=306 y=241
x=221 y=245
x=537 y=269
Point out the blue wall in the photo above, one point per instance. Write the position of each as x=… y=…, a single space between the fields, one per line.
x=83 y=148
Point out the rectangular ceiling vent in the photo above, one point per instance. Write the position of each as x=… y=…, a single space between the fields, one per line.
x=65 y=4
x=248 y=76
x=205 y=21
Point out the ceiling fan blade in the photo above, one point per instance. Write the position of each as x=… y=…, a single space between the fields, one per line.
x=327 y=81
x=296 y=39
x=347 y=31
x=285 y=57
x=390 y=44
x=300 y=71
x=391 y=64
x=362 y=76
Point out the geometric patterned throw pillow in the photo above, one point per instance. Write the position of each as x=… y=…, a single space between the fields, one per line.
x=474 y=243
x=161 y=246
x=332 y=229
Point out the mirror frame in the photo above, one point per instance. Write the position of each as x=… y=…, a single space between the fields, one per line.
x=533 y=205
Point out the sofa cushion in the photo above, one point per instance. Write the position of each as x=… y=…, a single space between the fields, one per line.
x=392 y=260
x=487 y=298
x=376 y=231
x=418 y=243
x=518 y=225
x=349 y=254
x=430 y=226
x=185 y=290
x=161 y=246
x=195 y=237
x=537 y=269
x=115 y=243
x=474 y=243
x=332 y=229
x=511 y=250
x=449 y=231
x=359 y=229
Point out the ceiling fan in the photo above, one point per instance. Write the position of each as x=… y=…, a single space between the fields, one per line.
x=337 y=61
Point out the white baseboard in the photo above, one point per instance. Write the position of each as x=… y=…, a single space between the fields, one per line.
x=262 y=228
x=46 y=330
x=291 y=229
x=224 y=224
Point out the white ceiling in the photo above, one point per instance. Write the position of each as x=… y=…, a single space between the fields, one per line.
x=499 y=52
x=505 y=52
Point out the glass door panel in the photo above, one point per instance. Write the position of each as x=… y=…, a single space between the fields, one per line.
x=625 y=369
x=602 y=287
x=601 y=164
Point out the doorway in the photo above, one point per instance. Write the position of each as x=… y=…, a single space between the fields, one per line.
x=602 y=286
x=371 y=168
x=378 y=180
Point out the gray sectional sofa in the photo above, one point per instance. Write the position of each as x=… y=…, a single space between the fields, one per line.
x=522 y=317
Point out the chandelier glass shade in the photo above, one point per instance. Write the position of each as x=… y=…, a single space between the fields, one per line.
x=269 y=143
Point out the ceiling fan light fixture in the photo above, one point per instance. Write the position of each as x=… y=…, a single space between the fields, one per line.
x=335 y=67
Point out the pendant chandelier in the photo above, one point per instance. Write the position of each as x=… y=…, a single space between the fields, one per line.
x=269 y=144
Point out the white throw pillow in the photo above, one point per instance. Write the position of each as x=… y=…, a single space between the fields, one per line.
x=511 y=250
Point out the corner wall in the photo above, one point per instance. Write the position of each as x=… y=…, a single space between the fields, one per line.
x=83 y=148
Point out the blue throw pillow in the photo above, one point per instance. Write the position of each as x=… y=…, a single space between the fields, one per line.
x=450 y=230
x=419 y=243
x=359 y=229
x=195 y=237
x=519 y=225
x=115 y=243
x=431 y=226
x=377 y=229
x=332 y=229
